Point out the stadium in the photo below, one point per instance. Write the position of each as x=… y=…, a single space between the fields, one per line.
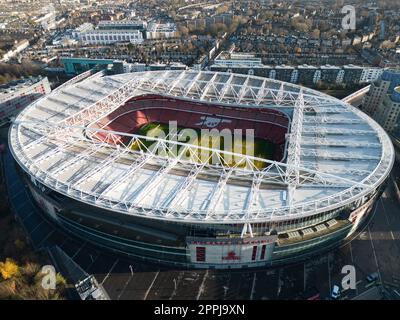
x=318 y=167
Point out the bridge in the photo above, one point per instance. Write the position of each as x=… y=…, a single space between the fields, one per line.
x=355 y=99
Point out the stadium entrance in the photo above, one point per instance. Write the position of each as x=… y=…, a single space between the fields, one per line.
x=236 y=252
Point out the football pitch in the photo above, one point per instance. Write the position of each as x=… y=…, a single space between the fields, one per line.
x=254 y=146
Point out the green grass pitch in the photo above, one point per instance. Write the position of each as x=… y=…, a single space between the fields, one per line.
x=262 y=148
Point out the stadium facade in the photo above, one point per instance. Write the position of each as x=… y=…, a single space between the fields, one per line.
x=74 y=146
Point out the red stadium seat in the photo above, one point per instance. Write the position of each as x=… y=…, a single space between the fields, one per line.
x=268 y=124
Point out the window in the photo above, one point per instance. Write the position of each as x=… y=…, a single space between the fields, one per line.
x=200 y=254
x=263 y=252
x=254 y=254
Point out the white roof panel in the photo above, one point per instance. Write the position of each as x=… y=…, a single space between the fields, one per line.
x=338 y=153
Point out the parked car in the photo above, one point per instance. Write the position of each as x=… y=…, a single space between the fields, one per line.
x=373 y=277
x=335 y=294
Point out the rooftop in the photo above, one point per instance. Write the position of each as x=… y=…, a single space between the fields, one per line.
x=225 y=55
x=13 y=86
x=336 y=154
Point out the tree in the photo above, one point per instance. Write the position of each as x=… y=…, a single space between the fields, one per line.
x=299 y=25
x=8 y=269
x=222 y=9
x=315 y=34
x=184 y=31
x=387 y=44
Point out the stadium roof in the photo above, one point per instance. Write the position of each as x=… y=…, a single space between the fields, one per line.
x=336 y=154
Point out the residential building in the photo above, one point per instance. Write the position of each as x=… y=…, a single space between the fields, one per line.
x=387 y=113
x=18 y=47
x=352 y=74
x=373 y=100
x=16 y=95
x=103 y=37
x=370 y=74
x=161 y=30
x=122 y=25
x=76 y=34
x=229 y=59
x=249 y=63
x=74 y=66
x=331 y=74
